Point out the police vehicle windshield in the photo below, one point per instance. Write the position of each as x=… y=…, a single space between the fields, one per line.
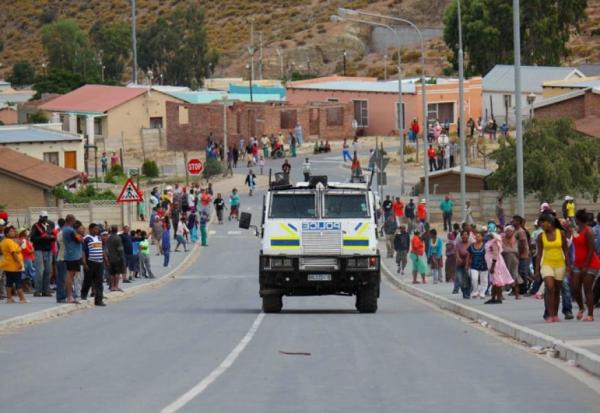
x=345 y=206
x=293 y=206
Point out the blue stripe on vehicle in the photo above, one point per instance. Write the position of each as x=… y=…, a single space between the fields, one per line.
x=356 y=243
x=285 y=242
x=358 y=226
x=292 y=227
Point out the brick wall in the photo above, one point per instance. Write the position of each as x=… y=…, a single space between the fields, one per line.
x=592 y=104
x=253 y=119
x=28 y=195
x=573 y=108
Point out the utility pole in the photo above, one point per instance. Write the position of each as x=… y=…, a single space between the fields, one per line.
x=344 y=63
x=461 y=124
x=385 y=66
x=278 y=50
x=518 y=109
x=260 y=56
x=133 y=44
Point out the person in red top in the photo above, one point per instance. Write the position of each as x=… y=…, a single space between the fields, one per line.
x=28 y=258
x=432 y=154
x=586 y=266
x=205 y=199
x=422 y=214
x=417 y=257
x=398 y=208
x=414 y=128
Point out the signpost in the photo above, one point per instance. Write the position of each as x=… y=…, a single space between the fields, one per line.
x=195 y=166
x=129 y=193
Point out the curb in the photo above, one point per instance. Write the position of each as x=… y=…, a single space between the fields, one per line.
x=65 y=309
x=585 y=359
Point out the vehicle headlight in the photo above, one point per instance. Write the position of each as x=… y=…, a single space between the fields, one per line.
x=358 y=262
x=281 y=262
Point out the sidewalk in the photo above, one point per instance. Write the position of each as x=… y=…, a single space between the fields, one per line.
x=521 y=320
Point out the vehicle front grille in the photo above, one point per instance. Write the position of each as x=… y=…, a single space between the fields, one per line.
x=322 y=243
x=319 y=263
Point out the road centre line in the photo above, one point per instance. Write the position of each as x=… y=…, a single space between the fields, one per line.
x=217 y=372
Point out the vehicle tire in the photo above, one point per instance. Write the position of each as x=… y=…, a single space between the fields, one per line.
x=366 y=299
x=272 y=303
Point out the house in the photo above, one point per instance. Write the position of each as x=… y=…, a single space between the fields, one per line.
x=111 y=117
x=499 y=89
x=10 y=96
x=375 y=103
x=25 y=110
x=8 y=115
x=59 y=148
x=31 y=179
x=589 y=69
x=582 y=105
x=189 y=125
x=560 y=87
x=448 y=180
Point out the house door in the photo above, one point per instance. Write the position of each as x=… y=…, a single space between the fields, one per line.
x=314 y=118
x=71 y=159
x=251 y=122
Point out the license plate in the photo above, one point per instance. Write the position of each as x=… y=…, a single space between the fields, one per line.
x=319 y=277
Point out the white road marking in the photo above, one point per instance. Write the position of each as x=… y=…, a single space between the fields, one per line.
x=214 y=375
x=234 y=232
x=212 y=232
x=218 y=277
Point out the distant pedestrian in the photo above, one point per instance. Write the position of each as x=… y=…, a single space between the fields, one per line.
x=261 y=164
x=499 y=275
x=12 y=265
x=387 y=206
x=204 y=219
x=250 y=182
x=219 y=204
x=72 y=242
x=42 y=238
x=586 y=266
x=128 y=251
x=116 y=258
x=306 y=169
x=104 y=163
x=469 y=213
x=346 y=151
x=462 y=278
x=389 y=230
x=409 y=213
x=447 y=207
x=182 y=231
x=234 y=205
x=417 y=258
x=477 y=267
x=166 y=245
x=450 y=264
x=422 y=214
x=93 y=265
x=500 y=212
x=435 y=257
x=145 y=267
x=398 y=210
x=401 y=246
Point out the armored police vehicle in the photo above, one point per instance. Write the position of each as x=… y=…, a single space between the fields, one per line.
x=318 y=238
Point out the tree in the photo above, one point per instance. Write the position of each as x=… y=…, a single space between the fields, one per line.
x=557 y=160
x=22 y=74
x=59 y=81
x=176 y=46
x=112 y=43
x=38 y=117
x=68 y=47
x=488 y=31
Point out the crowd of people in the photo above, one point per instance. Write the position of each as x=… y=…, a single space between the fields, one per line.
x=558 y=260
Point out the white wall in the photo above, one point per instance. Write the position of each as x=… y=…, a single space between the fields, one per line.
x=499 y=109
x=36 y=150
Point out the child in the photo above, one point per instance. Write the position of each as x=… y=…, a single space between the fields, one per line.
x=28 y=259
x=401 y=246
x=234 y=203
x=145 y=256
x=219 y=207
x=434 y=255
x=166 y=243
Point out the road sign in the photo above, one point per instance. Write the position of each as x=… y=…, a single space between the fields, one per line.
x=195 y=166
x=134 y=172
x=129 y=193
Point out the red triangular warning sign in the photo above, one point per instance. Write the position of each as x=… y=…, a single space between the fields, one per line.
x=129 y=193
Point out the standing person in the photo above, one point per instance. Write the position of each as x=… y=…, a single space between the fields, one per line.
x=157 y=232
x=552 y=263
x=219 y=204
x=389 y=230
x=250 y=182
x=463 y=276
x=136 y=237
x=415 y=129
x=387 y=207
x=286 y=168
x=447 y=205
x=450 y=265
x=469 y=213
x=61 y=266
x=569 y=210
x=523 y=244
x=500 y=212
x=355 y=168
x=166 y=245
x=586 y=266
x=104 y=163
x=499 y=274
x=431 y=155
x=477 y=266
x=510 y=253
x=298 y=134
x=236 y=157
x=398 y=209
x=234 y=205
x=292 y=145
x=12 y=265
x=306 y=169
x=409 y=213
x=264 y=141
x=128 y=251
x=192 y=225
x=116 y=257
x=471 y=126
x=72 y=242
x=417 y=258
x=93 y=265
x=346 y=151
x=145 y=268
x=42 y=238
x=114 y=160
x=204 y=218
x=181 y=232
x=261 y=164
x=401 y=246
x=28 y=259
x=434 y=256
x=422 y=214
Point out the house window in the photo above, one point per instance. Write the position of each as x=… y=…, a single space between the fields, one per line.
x=403 y=115
x=507 y=101
x=335 y=100
x=156 y=122
x=361 y=113
x=288 y=119
x=441 y=111
x=97 y=126
x=335 y=116
x=51 y=157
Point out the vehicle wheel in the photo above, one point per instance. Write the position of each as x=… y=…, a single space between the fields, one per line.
x=272 y=303
x=366 y=299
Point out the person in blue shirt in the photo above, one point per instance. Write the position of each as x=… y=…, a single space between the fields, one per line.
x=135 y=244
x=166 y=244
x=72 y=257
x=434 y=255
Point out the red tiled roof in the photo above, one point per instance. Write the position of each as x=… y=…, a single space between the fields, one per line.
x=36 y=171
x=589 y=125
x=93 y=98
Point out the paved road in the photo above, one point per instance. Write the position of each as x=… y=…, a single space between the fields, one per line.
x=145 y=353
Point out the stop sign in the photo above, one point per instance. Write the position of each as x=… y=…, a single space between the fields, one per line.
x=195 y=166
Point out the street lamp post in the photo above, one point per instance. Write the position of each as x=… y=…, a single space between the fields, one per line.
x=399 y=109
x=344 y=56
x=249 y=68
x=385 y=57
x=530 y=100
x=461 y=125
x=278 y=50
x=518 y=109
x=348 y=12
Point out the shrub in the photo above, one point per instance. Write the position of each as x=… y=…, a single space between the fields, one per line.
x=150 y=169
x=83 y=195
x=212 y=167
x=38 y=117
x=115 y=172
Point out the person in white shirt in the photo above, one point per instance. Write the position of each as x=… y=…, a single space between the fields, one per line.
x=182 y=231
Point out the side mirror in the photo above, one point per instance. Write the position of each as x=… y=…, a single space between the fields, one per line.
x=245 y=219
